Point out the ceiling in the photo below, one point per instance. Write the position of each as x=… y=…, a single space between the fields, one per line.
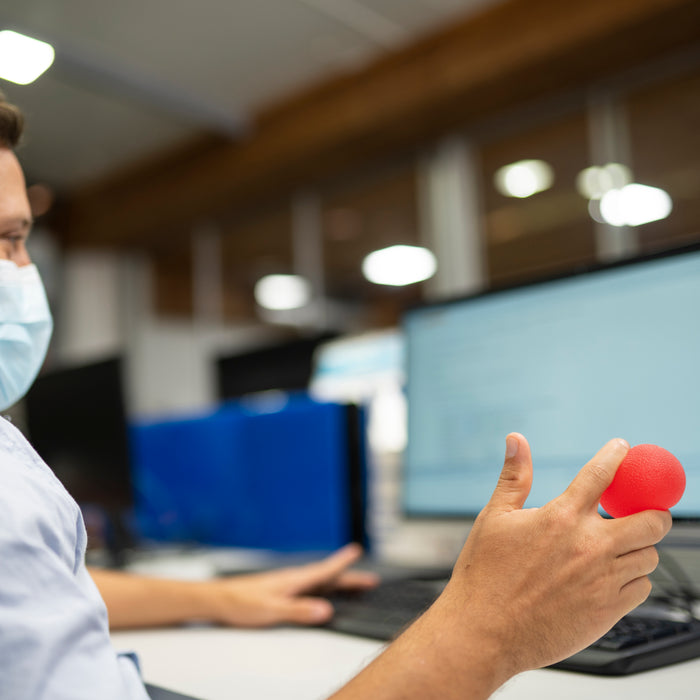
x=135 y=77
x=304 y=90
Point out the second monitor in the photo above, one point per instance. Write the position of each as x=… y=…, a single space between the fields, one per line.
x=570 y=363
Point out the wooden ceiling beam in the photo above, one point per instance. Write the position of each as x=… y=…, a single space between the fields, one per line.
x=516 y=51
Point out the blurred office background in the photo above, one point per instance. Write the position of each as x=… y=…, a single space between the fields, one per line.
x=178 y=153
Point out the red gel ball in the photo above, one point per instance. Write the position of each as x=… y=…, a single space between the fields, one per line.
x=649 y=478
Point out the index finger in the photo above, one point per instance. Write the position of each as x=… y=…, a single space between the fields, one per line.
x=327 y=570
x=590 y=483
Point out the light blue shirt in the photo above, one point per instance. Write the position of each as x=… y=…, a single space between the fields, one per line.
x=54 y=634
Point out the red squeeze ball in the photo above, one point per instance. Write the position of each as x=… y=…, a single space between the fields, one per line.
x=648 y=478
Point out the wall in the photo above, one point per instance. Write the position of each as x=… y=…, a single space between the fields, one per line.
x=103 y=308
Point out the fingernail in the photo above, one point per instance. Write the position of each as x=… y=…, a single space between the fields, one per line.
x=624 y=443
x=511 y=447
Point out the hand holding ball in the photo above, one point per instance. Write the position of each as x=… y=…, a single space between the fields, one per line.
x=648 y=478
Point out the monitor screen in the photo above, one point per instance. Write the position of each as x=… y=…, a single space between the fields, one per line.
x=286 y=366
x=570 y=363
x=76 y=421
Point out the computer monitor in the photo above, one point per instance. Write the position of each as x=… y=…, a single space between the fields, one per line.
x=570 y=363
x=285 y=366
x=76 y=420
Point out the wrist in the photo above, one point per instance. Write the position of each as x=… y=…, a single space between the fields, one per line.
x=466 y=645
x=447 y=654
x=207 y=602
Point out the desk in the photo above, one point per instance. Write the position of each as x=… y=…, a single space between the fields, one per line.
x=226 y=664
x=309 y=664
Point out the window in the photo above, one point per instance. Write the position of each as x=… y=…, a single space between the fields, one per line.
x=551 y=230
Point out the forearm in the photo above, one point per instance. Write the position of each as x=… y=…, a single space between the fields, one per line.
x=140 y=601
x=253 y=600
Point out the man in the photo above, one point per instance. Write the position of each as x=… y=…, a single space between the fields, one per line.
x=263 y=599
x=529 y=588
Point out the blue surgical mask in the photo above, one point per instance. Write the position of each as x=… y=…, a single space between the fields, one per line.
x=25 y=329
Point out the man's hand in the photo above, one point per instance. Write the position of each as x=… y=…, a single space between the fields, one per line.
x=531 y=587
x=292 y=594
x=547 y=582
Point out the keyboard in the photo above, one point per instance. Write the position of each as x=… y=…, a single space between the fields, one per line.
x=636 y=643
x=383 y=612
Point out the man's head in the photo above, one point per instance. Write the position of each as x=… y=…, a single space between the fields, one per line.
x=25 y=317
x=15 y=213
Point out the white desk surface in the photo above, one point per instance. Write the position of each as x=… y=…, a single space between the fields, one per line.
x=309 y=664
x=215 y=663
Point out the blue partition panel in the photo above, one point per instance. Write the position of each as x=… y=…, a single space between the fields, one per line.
x=276 y=480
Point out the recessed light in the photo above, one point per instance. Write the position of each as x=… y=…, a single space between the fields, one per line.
x=524 y=178
x=23 y=59
x=634 y=205
x=595 y=181
x=399 y=265
x=282 y=292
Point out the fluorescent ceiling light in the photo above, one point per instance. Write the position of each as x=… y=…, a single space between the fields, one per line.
x=399 y=265
x=282 y=292
x=634 y=205
x=524 y=178
x=23 y=59
x=594 y=182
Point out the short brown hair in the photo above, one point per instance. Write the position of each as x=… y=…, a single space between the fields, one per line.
x=11 y=123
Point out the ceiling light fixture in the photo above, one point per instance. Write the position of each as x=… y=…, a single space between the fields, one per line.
x=524 y=178
x=399 y=265
x=595 y=181
x=282 y=292
x=23 y=59
x=634 y=205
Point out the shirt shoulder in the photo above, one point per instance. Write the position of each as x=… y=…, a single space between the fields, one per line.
x=55 y=638
x=35 y=508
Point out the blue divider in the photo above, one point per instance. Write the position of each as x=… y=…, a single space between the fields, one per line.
x=240 y=477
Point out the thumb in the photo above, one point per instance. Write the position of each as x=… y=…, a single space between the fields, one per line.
x=515 y=480
x=306 y=611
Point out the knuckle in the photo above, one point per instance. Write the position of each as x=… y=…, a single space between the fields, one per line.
x=652 y=527
x=562 y=509
x=658 y=525
x=647 y=560
x=559 y=515
x=510 y=479
x=599 y=475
